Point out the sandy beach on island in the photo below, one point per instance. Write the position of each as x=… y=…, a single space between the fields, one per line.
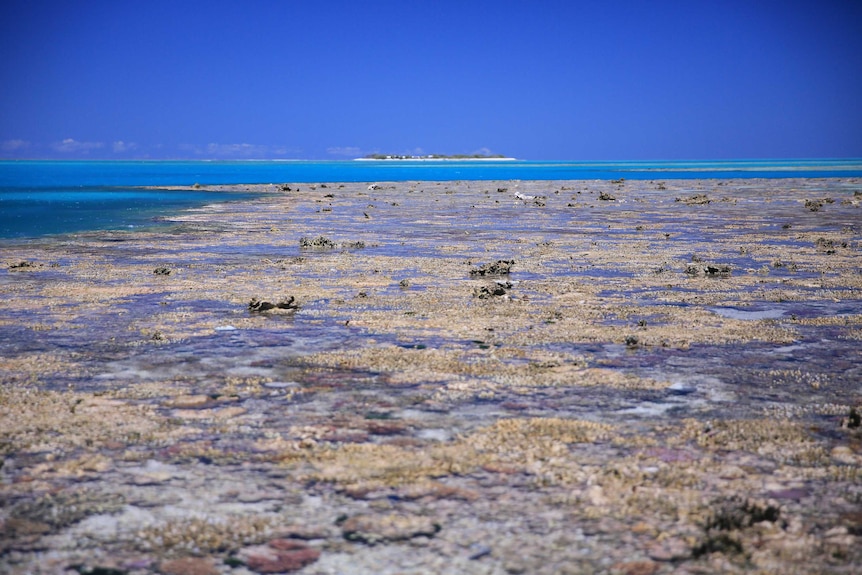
x=626 y=377
x=436 y=159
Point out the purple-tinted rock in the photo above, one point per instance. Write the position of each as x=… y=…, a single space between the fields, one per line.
x=280 y=556
x=793 y=493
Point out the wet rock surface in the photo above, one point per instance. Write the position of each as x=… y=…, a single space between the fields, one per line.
x=285 y=304
x=665 y=382
x=372 y=529
x=498 y=268
x=279 y=556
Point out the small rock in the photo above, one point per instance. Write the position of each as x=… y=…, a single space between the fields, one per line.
x=435 y=490
x=258 y=305
x=731 y=472
x=643 y=528
x=153 y=478
x=478 y=550
x=815 y=205
x=280 y=384
x=671 y=549
x=717 y=270
x=372 y=529
x=695 y=200
x=596 y=495
x=346 y=436
x=256 y=496
x=853 y=521
x=288 y=304
x=516 y=566
x=321 y=242
x=13 y=528
x=498 y=268
x=279 y=556
x=853 y=420
x=189 y=566
x=793 y=493
x=162 y=271
x=385 y=427
x=141 y=563
x=843 y=454
x=302 y=532
x=198 y=401
x=645 y=567
x=486 y=292
x=828 y=246
x=25 y=265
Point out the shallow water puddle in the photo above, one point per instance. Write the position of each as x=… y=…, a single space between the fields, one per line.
x=750 y=315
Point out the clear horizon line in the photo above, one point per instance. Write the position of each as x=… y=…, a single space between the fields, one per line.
x=506 y=158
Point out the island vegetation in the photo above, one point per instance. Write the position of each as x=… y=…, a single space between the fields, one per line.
x=435 y=157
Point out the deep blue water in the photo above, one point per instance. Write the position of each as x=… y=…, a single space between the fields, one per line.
x=50 y=197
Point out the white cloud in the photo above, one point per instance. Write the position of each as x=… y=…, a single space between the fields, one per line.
x=120 y=146
x=285 y=152
x=352 y=151
x=243 y=150
x=483 y=152
x=14 y=145
x=72 y=146
x=249 y=151
x=191 y=149
x=357 y=152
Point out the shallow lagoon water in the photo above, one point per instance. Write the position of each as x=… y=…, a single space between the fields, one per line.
x=49 y=197
x=616 y=396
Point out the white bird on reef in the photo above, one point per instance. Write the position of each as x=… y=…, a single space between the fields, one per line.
x=521 y=196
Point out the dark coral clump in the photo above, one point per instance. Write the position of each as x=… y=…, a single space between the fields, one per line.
x=257 y=305
x=498 y=268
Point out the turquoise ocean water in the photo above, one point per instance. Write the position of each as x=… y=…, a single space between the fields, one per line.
x=39 y=198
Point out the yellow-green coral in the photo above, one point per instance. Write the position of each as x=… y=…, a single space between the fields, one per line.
x=746 y=434
x=40 y=420
x=199 y=535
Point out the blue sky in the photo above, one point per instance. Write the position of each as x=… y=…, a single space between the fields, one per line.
x=569 y=80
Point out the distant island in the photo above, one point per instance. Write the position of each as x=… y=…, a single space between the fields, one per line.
x=493 y=157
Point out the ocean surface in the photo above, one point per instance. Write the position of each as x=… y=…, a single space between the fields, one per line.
x=39 y=198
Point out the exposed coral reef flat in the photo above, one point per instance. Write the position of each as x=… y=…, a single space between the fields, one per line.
x=627 y=377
